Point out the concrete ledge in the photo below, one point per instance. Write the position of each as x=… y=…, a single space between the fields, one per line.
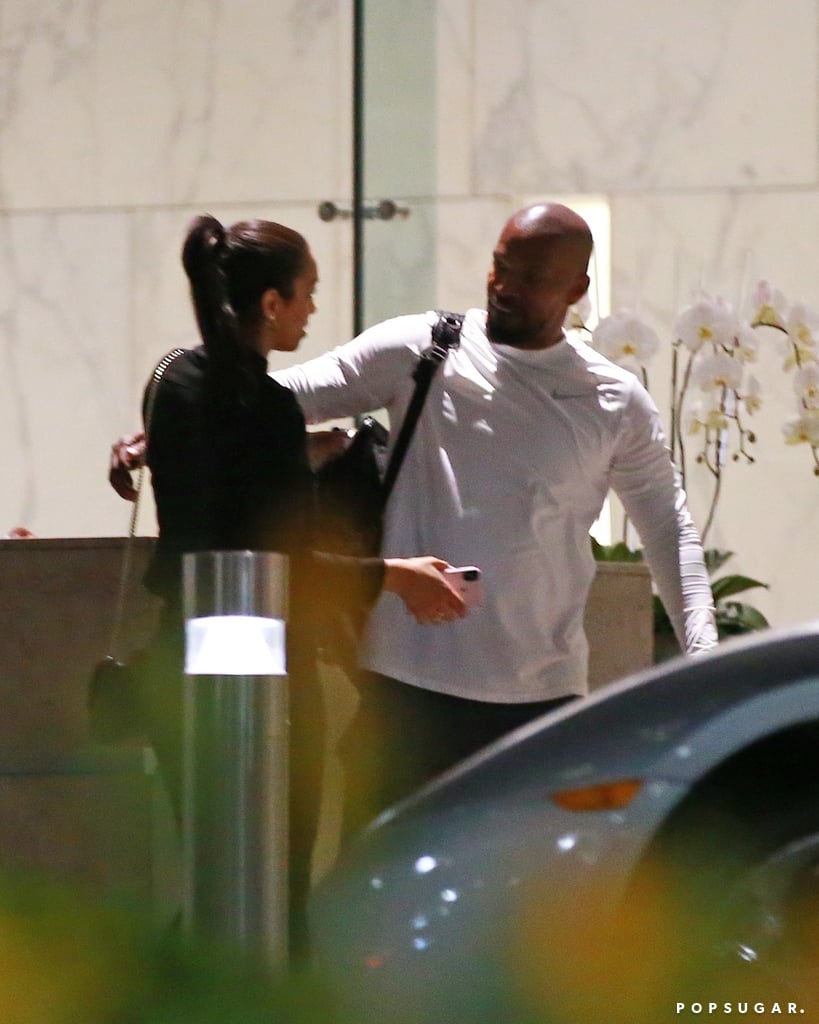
x=100 y=819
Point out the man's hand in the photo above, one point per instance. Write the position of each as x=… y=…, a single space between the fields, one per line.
x=127 y=454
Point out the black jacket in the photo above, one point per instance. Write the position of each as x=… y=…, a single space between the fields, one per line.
x=229 y=470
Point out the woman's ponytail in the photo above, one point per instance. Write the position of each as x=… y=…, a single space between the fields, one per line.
x=203 y=257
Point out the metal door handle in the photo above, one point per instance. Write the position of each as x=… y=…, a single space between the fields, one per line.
x=386 y=209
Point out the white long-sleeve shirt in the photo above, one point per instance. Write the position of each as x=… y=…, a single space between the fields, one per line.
x=512 y=459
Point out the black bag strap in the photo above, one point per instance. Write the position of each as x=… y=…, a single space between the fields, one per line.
x=127 y=549
x=446 y=334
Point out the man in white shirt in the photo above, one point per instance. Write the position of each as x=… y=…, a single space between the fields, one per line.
x=523 y=433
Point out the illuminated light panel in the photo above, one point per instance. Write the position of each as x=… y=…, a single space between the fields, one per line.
x=235 y=645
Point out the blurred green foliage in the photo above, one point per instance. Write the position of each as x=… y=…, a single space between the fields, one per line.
x=67 y=958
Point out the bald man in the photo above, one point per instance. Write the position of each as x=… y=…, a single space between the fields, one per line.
x=522 y=435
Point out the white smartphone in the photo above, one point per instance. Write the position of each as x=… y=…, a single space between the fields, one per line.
x=467 y=580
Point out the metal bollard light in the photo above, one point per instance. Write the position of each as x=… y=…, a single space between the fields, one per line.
x=235 y=743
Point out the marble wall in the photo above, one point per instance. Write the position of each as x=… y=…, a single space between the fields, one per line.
x=118 y=122
x=696 y=123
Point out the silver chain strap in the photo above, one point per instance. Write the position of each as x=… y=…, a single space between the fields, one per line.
x=127 y=551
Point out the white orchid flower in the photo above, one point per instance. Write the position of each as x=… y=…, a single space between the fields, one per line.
x=717 y=371
x=769 y=306
x=802 y=429
x=694 y=418
x=752 y=397
x=577 y=316
x=626 y=340
x=806 y=386
x=705 y=415
x=712 y=391
x=802 y=325
x=746 y=344
x=715 y=419
x=706 y=321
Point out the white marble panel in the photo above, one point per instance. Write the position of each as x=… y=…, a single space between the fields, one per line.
x=455 y=76
x=66 y=337
x=643 y=94
x=467 y=232
x=663 y=247
x=171 y=101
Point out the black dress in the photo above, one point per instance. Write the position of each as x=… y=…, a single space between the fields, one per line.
x=229 y=471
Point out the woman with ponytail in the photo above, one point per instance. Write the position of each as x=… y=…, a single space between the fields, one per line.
x=220 y=484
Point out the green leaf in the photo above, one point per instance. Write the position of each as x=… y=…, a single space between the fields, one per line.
x=619 y=552
x=734 y=617
x=725 y=586
x=716 y=558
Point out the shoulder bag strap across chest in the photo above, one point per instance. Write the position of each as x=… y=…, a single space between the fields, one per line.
x=446 y=334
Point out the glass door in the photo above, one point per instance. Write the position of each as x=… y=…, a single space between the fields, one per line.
x=395 y=183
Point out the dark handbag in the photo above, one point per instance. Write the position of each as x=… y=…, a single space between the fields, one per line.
x=114 y=700
x=350 y=494
x=115 y=711
x=353 y=488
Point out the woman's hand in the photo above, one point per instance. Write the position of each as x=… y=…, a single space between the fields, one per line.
x=19 y=533
x=127 y=454
x=422 y=586
x=323 y=445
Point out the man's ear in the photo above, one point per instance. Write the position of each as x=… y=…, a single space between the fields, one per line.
x=578 y=289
